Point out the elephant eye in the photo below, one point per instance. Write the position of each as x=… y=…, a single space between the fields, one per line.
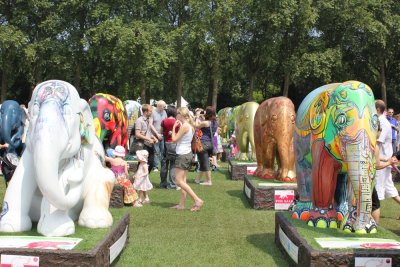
x=341 y=120
x=374 y=121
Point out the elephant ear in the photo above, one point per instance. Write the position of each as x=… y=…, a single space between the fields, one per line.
x=86 y=128
x=318 y=113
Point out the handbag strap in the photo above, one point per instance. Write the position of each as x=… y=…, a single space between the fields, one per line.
x=212 y=135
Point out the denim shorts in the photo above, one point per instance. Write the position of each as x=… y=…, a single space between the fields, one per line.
x=184 y=161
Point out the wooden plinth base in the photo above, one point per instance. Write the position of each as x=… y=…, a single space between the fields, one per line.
x=299 y=253
x=263 y=197
x=238 y=170
x=102 y=255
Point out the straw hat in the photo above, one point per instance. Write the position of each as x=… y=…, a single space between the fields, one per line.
x=119 y=151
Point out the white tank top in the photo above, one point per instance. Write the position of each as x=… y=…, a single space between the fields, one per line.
x=184 y=145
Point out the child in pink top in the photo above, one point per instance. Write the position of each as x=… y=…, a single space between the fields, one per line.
x=142 y=181
x=120 y=169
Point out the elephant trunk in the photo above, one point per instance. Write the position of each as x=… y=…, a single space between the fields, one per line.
x=360 y=158
x=51 y=140
x=11 y=132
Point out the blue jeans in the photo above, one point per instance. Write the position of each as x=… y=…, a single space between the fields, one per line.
x=168 y=165
x=158 y=152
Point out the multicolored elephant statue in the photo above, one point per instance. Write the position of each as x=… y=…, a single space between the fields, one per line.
x=61 y=176
x=335 y=138
x=12 y=118
x=110 y=120
x=223 y=116
x=245 y=130
x=274 y=124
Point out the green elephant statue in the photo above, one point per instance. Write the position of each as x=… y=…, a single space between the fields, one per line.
x=223 y=119
x=244 y=130
x=334 y=139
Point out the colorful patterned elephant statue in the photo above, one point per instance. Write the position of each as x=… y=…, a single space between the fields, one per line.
x=335 y=139
x=223 y=116
x=244 y=130
x=110 y=120
x=273 y=138
x=61 y=176
x=12 y=118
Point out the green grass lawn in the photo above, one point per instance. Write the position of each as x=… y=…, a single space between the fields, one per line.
x=225 y=232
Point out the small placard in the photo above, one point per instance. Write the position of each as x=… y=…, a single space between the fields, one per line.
x=372 y=262
x=291 y=249
x=247 y=191
x=251 y=169
x=19 y=260
x=117 y=247
x=283 y=199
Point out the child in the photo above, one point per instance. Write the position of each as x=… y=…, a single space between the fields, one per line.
x=120 y=169
x=142 y=181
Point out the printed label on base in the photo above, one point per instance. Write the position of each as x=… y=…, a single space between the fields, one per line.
x=247 y=191
x=283 y=199
x=18 y=260
x=372 y=262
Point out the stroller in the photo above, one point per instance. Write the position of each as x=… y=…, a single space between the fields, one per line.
x=9 y=163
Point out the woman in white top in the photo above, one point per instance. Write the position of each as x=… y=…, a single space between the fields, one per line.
x=183 y=139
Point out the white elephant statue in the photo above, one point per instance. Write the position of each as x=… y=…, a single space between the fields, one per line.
x=61 y=175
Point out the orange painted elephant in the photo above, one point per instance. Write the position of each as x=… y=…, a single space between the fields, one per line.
x=274 y=125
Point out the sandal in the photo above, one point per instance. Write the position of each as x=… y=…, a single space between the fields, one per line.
x=197 y=206
x=177 y=207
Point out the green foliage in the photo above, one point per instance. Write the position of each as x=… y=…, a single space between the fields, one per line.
x=228 y=49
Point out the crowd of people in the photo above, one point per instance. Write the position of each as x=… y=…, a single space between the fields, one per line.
x=162 y=143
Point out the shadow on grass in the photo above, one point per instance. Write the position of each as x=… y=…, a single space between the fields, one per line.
x=164 y=204
x=266 y=243
x=239 y=194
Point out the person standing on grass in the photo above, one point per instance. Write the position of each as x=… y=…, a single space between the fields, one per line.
x=384 y=182
x=159 y=115
x=142 y=182
x=169 y=155
x=395 y=128
x=183 y=139
x=208 y=127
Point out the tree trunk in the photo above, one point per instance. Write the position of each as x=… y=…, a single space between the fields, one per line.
x=383 y=80
x=215 y=80
x=4 y=79
x=179 y=86
x=286 y=83
x=77 y=78
x=143 y=92
x=251 y=86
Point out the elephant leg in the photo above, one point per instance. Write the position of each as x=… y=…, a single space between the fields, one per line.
x=324 y=174
x=54 y=222
x=286 y=162
x=95 y=213
x=19 y=198
x=341 y=196
x=270 y=154
x=252 y=156
x=258 y=138
x=303 y=170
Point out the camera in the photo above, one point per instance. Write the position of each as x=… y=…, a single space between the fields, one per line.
x=202 y=112
x=397 y=155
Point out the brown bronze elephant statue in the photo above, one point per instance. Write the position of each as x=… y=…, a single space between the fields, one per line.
x=274 y=124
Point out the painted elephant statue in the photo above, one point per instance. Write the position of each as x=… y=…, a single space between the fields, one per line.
x=334 y=140
x=110 y=120
x=61 y=176
x=244 y=130
x=274 y=124
x=232 y=120
x=223 y=116
x=12 y=118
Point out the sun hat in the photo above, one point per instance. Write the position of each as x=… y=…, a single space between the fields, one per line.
x=119 y=151
x=142 y=155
